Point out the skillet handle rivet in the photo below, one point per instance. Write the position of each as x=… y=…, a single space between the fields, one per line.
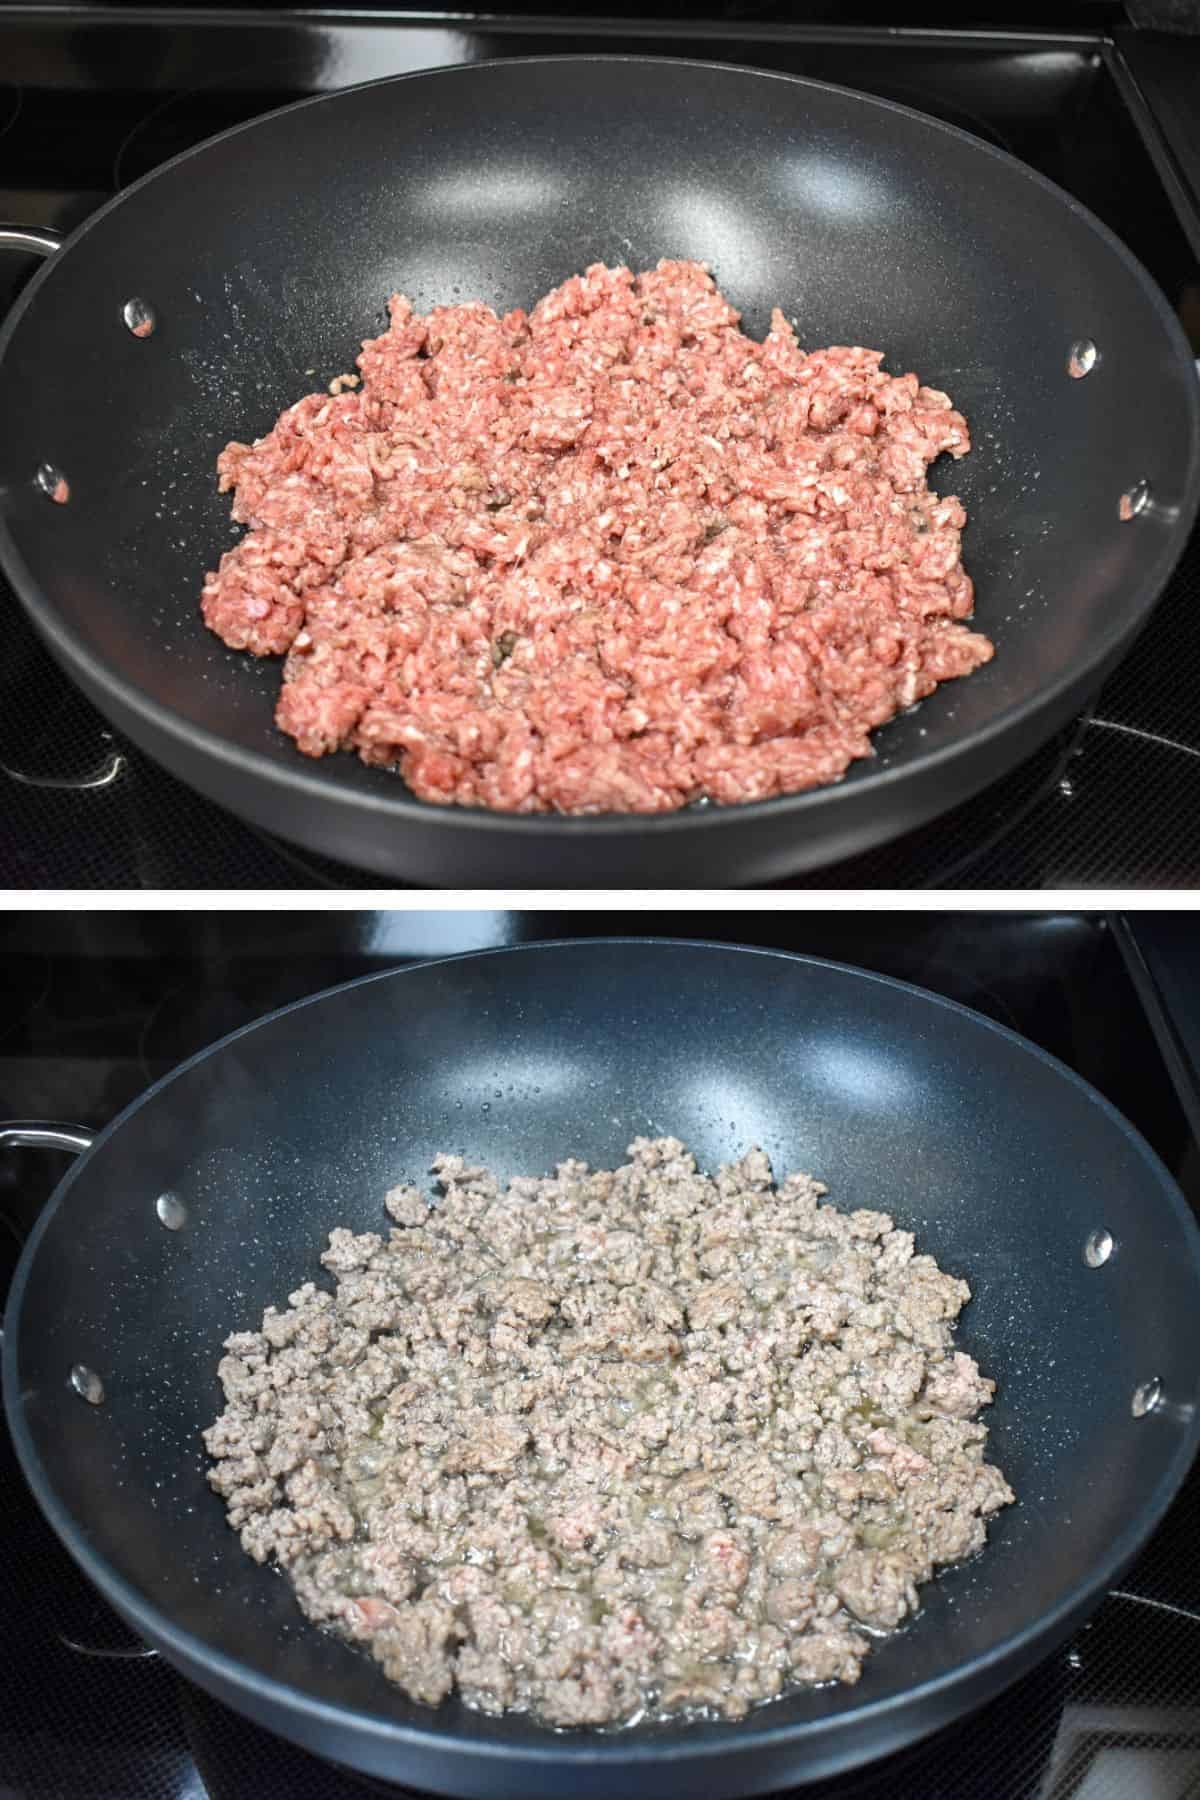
x=87 y=1384
x=1098 y=1248
x=1081 y=358
x=140 y=317
x=171 y=1211
x=1146 y=1398
x=53 y=483
x=1133 y=501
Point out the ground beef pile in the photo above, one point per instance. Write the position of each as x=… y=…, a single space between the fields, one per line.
x=609 y=555
x=614 y=1444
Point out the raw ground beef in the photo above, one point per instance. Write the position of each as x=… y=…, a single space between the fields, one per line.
x=611 y=1445
x=609 y=555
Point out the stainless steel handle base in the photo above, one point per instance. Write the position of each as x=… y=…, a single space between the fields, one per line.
x=35 y=1134
x=39 y=240
x=41 y=1134
x=36 y=240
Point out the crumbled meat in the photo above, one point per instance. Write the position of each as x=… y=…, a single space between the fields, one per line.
x=791 y=1603
x=608 y=556
x=825 y=1655
x=877 y=1587
x=611 y=1444
x=958 y=1388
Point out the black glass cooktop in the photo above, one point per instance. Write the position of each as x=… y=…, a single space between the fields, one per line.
x=98 y=1007
x=91 y=98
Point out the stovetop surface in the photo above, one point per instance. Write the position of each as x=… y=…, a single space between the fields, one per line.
x=97 y=1007
x=89 y=101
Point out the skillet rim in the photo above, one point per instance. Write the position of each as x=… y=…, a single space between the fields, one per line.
x=302 y=783
x=561 y=1748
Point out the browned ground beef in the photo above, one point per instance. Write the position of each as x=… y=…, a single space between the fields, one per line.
x=609 y=555
x=613 y=1444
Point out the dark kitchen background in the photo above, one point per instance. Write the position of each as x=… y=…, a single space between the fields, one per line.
x=1101 y=98
x=97 y=1007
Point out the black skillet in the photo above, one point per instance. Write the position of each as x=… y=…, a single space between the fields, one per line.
x=269 y=252
x=1011 y=1170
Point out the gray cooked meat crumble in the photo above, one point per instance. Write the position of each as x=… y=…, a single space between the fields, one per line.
x=614 y=1444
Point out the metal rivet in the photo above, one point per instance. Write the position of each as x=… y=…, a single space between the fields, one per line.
x=1134 y=500
x=53 y=483
x=1098 y=1248
x=87 y=1384
x=1081 y=359
x=140 y=317
x=1147 y=1397
x=171 y=1211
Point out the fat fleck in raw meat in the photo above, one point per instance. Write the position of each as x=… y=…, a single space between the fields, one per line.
x=609 y=555
x=611 y=1445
